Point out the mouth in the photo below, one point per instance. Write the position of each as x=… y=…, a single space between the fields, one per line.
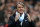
x=21 y=10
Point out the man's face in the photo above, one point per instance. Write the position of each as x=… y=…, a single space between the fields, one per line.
x=2 y=26
x=20 y=8
x=38 y=24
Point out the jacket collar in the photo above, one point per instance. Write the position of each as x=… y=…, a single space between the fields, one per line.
x=24 y=15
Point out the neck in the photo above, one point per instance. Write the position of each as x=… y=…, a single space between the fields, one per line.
x=20 y=14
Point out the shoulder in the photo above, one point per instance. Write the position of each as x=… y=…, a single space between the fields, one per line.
x=11 y=17
x=25 y=15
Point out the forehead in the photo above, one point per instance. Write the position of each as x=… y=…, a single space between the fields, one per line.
x=19 y=5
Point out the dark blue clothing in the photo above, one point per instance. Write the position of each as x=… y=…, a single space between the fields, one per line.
x=12 y=23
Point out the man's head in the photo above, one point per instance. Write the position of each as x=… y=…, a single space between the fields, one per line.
x=38 y=24
x=20 y=7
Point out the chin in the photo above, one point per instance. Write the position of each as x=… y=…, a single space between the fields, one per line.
x=21 y=12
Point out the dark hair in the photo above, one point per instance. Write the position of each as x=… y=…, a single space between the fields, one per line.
x=36 y=20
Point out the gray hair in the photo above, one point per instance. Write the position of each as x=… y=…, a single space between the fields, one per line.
x=20 y=3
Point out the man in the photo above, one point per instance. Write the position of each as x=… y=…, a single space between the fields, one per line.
x=1 y=24
x=20 y=19
x=38 y=24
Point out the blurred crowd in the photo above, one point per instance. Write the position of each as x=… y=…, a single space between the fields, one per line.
x=8 y=8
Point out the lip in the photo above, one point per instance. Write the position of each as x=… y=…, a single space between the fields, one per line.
x=21 y=10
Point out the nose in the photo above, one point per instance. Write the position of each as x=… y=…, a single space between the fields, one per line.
x=21 y=8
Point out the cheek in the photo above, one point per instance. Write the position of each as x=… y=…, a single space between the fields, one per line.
x=23 y=9
x=18 y=9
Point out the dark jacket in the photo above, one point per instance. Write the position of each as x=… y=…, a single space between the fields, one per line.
x=12 y=23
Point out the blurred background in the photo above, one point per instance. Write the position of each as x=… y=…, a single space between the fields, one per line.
x=8 y=7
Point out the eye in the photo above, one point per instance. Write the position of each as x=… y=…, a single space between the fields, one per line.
x=19 y=7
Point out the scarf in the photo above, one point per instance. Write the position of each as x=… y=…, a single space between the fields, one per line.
x=20 y=18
